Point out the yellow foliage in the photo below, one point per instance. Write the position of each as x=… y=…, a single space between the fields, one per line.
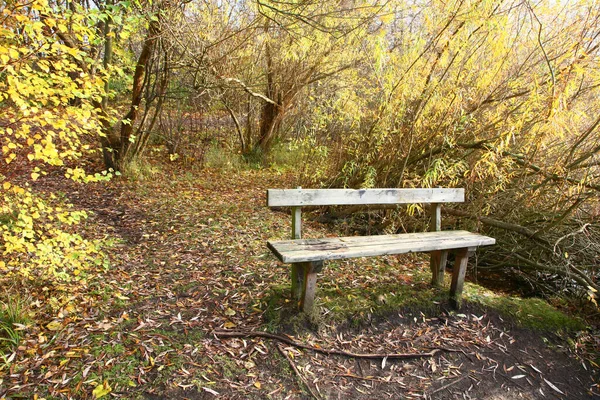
x=36 y=249
x=46 y=112
x=101 y=390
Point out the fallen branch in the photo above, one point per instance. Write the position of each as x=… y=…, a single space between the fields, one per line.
x=571 y=272
x=298 y=374
x=376 y=356
x=528 y=233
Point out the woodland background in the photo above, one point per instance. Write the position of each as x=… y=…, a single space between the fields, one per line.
x=500 y=97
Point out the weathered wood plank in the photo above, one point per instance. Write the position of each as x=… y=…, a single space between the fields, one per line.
x=458 y=276
x=328 y=197
x=297 y=280
x=297 y=269
x=309 y=288
x=415 y=237
x=437 y=263
x=438 y=259
x=356 y=241
x=436 y=217
x=305 y=250
x=335 y=251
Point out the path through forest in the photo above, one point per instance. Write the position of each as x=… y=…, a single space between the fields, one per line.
x=190 y=260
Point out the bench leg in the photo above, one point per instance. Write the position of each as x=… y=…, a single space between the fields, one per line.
x=437 y=263
x=297 y=281
x=458 y=276
x=309 y=287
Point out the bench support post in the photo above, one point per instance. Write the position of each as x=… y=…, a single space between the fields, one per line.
x=439 y=258
x=297 y=269
x=309 y=284
x=297 y=281
x=437 y=263
x=458 y=276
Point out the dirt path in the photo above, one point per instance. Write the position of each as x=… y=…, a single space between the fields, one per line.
x=190 y=259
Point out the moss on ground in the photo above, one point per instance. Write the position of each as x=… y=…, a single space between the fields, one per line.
x=533 y=313
x=335 y=304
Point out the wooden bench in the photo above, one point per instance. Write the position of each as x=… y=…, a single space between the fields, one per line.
x=307 y=255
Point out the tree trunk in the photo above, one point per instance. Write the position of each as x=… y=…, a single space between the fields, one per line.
x=270 y=114
x=107 y=59
x=137 y=88
x=269 y=126
x=115 y=146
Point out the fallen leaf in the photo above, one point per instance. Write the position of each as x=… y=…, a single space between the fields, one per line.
x=257 y=384
x=210 y=391
x=101 y=390
x=552 y=386
x=535 y=369
x=229 y=312
x=54 y=325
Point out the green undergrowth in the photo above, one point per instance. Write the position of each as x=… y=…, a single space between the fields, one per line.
x=532 y=313
x=335 y=304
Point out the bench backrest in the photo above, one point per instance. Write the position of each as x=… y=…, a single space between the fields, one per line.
x=330 y=197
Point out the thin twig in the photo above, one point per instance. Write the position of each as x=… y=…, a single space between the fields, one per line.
x=298 y=374
x=249 y=91
x=582 y=230
x=446 y=386
x=391 y=356
x=363 y=378
x=539 y=40
x=514 y=382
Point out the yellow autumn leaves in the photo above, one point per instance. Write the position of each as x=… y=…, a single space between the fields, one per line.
x=46 y=95
x=36 y=243
x=46 y=102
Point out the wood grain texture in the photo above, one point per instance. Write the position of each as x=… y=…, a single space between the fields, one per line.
x=328 y=197
x=309 y=288
x=297 y=280
x=305 y=250
x=296 y=223
x=438 y=259
x=297 y=269
x=458 y=276
x=437 y=263
x=435 y=210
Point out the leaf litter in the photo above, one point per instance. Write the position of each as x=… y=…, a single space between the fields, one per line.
x=190 y=260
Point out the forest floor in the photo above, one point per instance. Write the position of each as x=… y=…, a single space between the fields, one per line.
x=189 y=260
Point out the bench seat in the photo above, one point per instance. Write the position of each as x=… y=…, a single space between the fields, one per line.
x=307 y=256
x=335 y=248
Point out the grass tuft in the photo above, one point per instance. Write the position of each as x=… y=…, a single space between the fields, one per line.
x=141 y=170
x=12 y=314
x=219 y=158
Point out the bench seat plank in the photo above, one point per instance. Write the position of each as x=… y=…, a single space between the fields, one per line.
x=306 y=250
